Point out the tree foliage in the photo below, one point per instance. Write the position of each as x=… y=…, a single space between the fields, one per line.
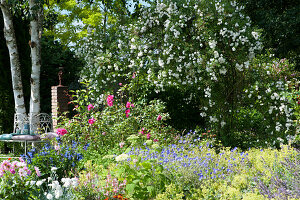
x=280 y=23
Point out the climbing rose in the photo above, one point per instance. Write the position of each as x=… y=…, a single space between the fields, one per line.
x=110 y=100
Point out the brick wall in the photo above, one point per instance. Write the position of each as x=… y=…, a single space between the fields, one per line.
x=59 y=102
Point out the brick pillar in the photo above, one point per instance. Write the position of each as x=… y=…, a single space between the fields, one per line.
x=59 y=102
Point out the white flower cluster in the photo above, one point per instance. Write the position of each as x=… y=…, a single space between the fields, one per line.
x=55 y=190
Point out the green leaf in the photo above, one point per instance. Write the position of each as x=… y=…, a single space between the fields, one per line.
x=146 y=165
x=130 y=188
x=151 y=189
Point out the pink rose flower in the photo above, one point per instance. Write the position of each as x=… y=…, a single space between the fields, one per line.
x=61 y=131
x=92 y=120
x=90 y=107
x=148 y=136
x=127 y=112
x=120 y=84
x=158 y=118
x=143 y=131
x=155 y=140
x=110 y=100
x=128 y=104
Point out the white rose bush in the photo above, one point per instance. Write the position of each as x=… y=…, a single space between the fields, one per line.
x=207 y=48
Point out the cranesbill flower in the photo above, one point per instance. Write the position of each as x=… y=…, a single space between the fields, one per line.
x=90 y=107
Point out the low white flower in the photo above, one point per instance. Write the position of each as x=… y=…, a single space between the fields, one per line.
x=58 y=193
x=122 y=157
x=53 y=169
x=39 y=183
x=75 y=182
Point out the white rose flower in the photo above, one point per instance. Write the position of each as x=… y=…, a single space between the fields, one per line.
x=49 y=196
x=212 y=44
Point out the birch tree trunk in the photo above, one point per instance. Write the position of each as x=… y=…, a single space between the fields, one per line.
x=10 y=37
x=36 y=12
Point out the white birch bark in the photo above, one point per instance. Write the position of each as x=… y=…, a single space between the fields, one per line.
x=35 y=46
x=9 y=34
